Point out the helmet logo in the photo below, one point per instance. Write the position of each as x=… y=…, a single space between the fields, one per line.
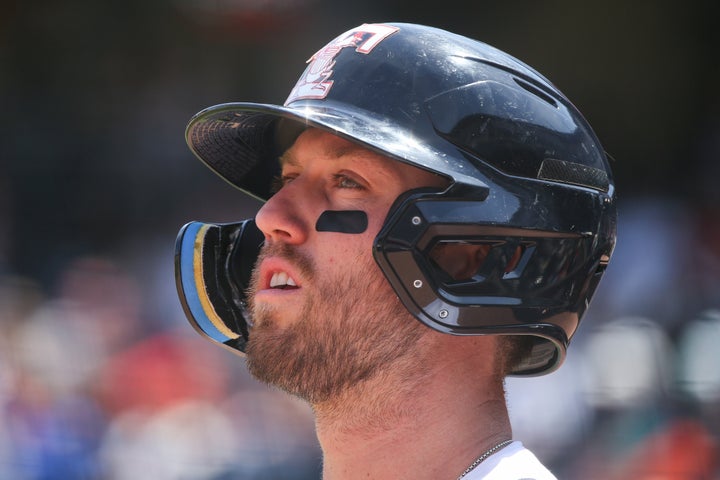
x=315 y=82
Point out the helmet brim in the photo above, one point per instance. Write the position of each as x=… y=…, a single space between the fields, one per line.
x=241 y=142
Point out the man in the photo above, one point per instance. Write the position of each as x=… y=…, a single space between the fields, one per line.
x=413 y=178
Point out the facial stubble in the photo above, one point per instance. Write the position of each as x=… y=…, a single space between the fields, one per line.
x=350 y=330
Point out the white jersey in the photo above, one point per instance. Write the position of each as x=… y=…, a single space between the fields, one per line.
x=514 y=462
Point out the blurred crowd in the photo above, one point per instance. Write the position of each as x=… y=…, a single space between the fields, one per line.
x=88 y=391
x=101 y=377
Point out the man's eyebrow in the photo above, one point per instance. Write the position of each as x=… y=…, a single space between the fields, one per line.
x=342 y=150
x=334 y=152
x=287 y=158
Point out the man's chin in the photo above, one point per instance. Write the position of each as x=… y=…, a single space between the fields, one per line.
x=308 y=368
x=271 y=354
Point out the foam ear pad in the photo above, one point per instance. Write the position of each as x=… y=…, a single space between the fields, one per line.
x=342 y=221
x=213 y=263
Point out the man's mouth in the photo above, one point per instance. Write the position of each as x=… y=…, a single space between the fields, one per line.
x=282 y=280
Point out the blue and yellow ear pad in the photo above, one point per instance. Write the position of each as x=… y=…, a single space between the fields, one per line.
x=213 y=265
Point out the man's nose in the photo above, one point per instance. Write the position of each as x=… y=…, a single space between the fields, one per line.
x=285 y=216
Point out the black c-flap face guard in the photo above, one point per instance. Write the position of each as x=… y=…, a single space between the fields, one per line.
x=532 y=281
x=213 y=266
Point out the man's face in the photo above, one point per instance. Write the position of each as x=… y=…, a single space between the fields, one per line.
x=325 y=318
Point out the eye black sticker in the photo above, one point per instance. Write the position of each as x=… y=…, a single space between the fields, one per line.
x=342 y=221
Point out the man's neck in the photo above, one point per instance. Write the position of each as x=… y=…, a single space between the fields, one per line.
x=431 y=428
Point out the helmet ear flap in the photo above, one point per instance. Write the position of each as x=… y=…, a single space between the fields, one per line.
x=213 y=269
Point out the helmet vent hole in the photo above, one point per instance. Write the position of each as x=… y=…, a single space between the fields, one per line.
x=573 y=173
x=536 y=91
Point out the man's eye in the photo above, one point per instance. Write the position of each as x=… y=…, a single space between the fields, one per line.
x=275 y=184
x=344 y=181
x=280 y=181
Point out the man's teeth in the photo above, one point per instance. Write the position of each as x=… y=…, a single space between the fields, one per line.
x=281 y=279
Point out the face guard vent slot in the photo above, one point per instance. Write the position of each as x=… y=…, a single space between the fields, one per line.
x=462 y=262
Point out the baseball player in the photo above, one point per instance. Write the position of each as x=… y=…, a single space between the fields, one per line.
x=437 y=217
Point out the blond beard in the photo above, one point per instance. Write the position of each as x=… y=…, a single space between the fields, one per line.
x=351 y=330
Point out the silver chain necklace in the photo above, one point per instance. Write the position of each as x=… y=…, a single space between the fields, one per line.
x=485 y=455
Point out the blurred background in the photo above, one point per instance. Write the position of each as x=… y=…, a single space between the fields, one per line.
x=101 y=377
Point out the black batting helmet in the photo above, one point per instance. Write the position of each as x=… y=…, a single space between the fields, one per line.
x=528 y=183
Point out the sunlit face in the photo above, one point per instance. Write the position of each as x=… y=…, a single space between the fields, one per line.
x=324 y=316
